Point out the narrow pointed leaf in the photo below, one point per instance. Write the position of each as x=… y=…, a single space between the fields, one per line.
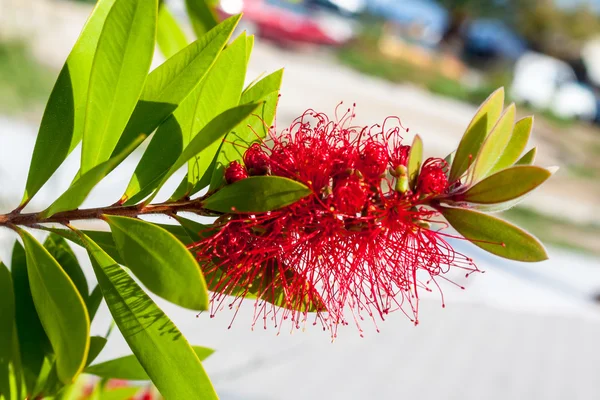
x=158 y=345
x=506 y=185
x=170 y=37
x=202 y=16
x=528 y=158
x=97 y=343
x=76 y=194
x=93 y=302
x=129 y=368
x=62 y=123
x=7 y=338
x=415 y=158
x=121 y=64
x=160 y=261
x=482 y=123
x=60 y=250
x=101 y=238
x=495 y=235
x=516 y=145
x=494 y=145
x=60 y=307
x=257 y=194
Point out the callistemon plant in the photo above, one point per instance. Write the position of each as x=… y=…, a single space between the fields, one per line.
x=325 y=223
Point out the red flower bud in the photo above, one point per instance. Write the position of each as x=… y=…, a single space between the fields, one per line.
x=256 y=160
x=235 y=172
x=433 y=179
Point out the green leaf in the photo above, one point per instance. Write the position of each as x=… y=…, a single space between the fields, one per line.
x=494 y=145
x=7 y=338
x=92 y=303
x=160 y=261
x=415 y=158
x=170 y=37
x=118 y=74
x=202 y=16
x=101 y=238
x=194 y=230
x=482 y=123
x=506 y=185
x=211 y=133
x=252 y=129
x=495 y=235
x=528 y=158
x=129 y=368
x=121 y=393
x=257 y=194
x=516 y=145
x=61 y=309
x=60 y=250
x=76 y=194
x=33 y=342
x=169 y=85
x=97 y=343
x=62 y=123
x=159 y=346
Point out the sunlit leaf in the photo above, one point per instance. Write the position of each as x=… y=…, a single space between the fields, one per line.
x=7 y=338
x=62 y=124
x=159 y=346
x=97 y=343
x=495 y=235
x=516 y=145
x=415 y=158
x=60 y=250
x=60 y=307
x=170 y=36
x=482 y=123
x=256 y=194
x=101 y=238
x=129 y=368
x=93 y=302
x=202 y=16
x=528 y=158
x=121 y=64
x=160 y=261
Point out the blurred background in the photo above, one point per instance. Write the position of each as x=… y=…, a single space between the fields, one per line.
x=518 y=331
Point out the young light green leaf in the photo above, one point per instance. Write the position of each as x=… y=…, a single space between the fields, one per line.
x=202 y=16
x=60 y=250
x=97 y=343
x=495 y=235
x=214 y=131
x=60 y=307
x=249 y=47
x=257 y=194
x=120 y=393
x=516 y=145
x=528 y=158
x=7 y=333
x=173 y=81
x=129 y=368
x=160 y=261
x=508 y=184
x=482 y=123
x=415 y=158
x=33 y=342
x=251 y=130
x=159 y=346
x=75 y=195
x=170 y=36
x=62 y=123
x=494 y=145
x=118 y=74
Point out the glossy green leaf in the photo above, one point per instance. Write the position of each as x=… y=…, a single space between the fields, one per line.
x=159 y=346
x=60 y=307
x=195 y=230
x=59 y=249
x=178 y=231
x=415 y=158
x=121 y=64
x=494 y=145
x=528 y=158
x=170 y=36
x=257 y=194
x=160 y=261
x=101 y=238
x=33 y=342
x=165 y=89
x=516 y=145
x=214 y=131
x=482 y=123
x=76 y=194
x=249 y=47
x=252 y=129
x=129 y=368
x=506 y=185
x=97 y=344
x=92 y=303
x=202 y=16
x=7 y=332
x=62 y=124
x=495 y=235
x=121 y=393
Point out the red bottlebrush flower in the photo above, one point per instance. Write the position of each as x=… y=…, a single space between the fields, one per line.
x=355 y=248
x=256 y=160
x=433 y=178
x=235 y=172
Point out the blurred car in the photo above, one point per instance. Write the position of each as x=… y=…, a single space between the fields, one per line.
x=288 y=22
x=492 y=38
